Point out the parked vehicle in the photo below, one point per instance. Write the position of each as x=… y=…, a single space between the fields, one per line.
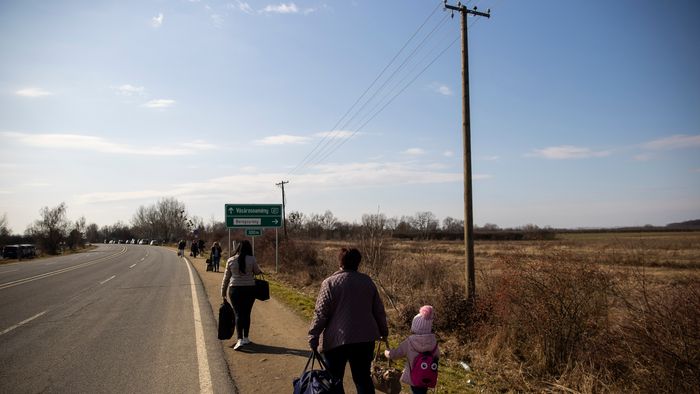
x=23 y=251
x=154 y=243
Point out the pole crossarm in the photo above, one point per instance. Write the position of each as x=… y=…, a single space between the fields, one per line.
x=463 y=8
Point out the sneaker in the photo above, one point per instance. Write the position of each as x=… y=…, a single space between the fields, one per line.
x=245 y=341
x=238 y=344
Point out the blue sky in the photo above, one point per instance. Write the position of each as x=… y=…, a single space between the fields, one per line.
x=584 y=114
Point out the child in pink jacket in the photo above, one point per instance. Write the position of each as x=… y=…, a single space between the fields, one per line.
x=421 y=340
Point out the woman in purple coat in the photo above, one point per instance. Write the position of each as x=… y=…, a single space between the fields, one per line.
x=348 y=318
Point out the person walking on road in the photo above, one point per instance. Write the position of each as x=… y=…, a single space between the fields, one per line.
x=181 y=248
x=349 y=316
x=240 y=283
x=216 y=256
x=194 y=250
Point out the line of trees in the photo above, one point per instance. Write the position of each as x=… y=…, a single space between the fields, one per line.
x=167 y=221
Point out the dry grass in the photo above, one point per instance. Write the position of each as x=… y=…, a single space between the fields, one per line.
x=582 y=313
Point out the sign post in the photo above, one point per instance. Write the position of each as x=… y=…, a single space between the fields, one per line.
x=252 y=233
x=255 y=217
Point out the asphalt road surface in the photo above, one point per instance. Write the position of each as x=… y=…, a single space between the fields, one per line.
x=118 y=319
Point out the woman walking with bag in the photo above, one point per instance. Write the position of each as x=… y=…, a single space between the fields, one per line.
x=240 y=283
x=348 y=318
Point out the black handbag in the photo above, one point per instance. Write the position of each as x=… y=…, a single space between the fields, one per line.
x=316 y=381
x=262 y=289
x=226 y=320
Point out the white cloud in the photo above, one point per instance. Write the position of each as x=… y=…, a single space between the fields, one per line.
x=36 y=184
x=199 y=145
x=282 y=8
x=217 y=19
x=642 y=157
x=282 y=139
x=33 y=92
x=157 y=21
x=91 y=143
x=160 y=103
x=100 y=197
x=488 y=158
x=243 y=6
x=566 y=152
x=414 y=152
x=674 y=142
x=130 y=90
x=250 y=185
x=441 y=89
x=448 y=153
x=337 y=134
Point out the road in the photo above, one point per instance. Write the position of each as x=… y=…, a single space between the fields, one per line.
x=120 y=318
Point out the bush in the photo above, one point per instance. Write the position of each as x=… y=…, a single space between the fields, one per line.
x=662 y=333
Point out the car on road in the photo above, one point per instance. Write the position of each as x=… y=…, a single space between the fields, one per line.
x=154 y=243
x=143 y=242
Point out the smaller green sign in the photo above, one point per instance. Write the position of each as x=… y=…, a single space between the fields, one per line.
x=253 y=232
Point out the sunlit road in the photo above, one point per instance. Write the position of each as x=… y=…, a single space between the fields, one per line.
x=118 y=319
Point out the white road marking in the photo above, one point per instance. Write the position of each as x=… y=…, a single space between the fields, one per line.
x=108 y=279
x=132 y=266
x=60 y=271
x=4 y=272
x=205 y=386
x=143 y=258
x=22 y=322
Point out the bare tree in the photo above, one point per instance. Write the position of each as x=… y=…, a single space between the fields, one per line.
x=50 y=230
x=92 y=233
x=295 y=222
x=425 y=222
x=76 y=237
x=452 y=225
x=4 y=230
x=172 y=219
x=373 y=233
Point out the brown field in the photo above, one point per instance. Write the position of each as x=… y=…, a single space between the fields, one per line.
x=598 y=312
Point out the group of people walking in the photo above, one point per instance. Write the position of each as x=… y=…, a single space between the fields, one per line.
x=349 y=316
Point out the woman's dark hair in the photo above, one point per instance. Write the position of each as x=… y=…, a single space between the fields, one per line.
x=350 y=258
x=246 y=249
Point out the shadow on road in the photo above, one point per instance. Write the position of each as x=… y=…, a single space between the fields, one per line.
x=267 y=349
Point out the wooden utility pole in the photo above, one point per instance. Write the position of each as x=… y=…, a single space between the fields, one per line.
x=284 y=211
x=466 y=139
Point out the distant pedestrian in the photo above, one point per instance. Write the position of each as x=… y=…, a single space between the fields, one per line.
x=420 y=341
x=240 y=284
x=181 y=248
x=349 y=316
x=200 y=246
x=194 y=249
x=216 y=256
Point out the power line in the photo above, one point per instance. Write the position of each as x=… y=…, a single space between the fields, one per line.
x=333 y=130
x=331 y=144
x=390 y=101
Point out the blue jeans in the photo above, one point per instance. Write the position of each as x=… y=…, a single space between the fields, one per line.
x=360 y=356
x=215 y=261
x=242 y=300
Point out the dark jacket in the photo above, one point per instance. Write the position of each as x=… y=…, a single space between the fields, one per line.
x=348 y=310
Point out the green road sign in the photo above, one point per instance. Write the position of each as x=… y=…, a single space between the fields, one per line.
x=253 y=215
x=253 y=232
